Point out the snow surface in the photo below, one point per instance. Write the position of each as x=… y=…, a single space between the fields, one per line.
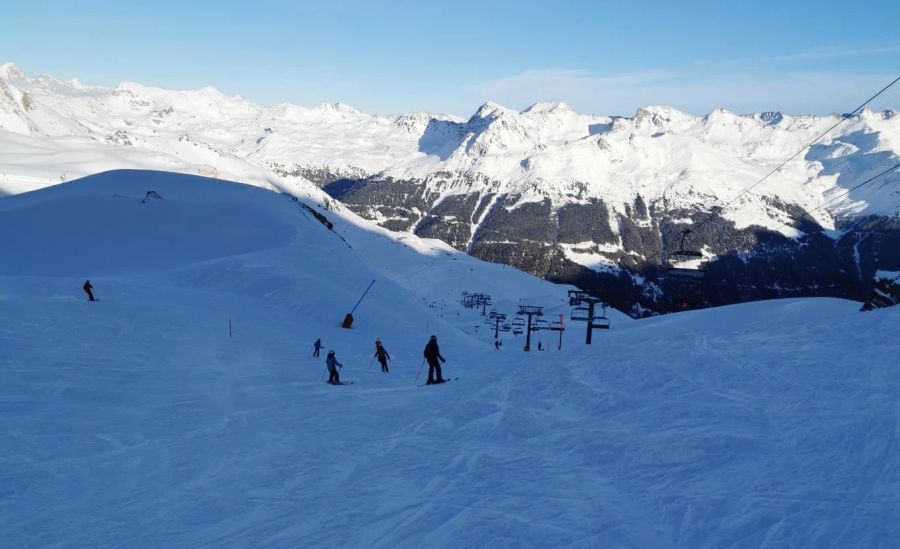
x=137 y=422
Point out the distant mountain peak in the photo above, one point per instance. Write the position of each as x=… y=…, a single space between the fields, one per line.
x=489 y=108
x=10 y=71
x=548 y=107
x=337 y=107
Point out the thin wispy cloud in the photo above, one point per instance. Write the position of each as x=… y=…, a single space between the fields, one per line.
x=819 y=54
x=693 y=91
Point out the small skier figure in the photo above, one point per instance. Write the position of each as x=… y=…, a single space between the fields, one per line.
x=332 y=364
x=432 y=355
x=540 y=348
x=317 y=346
x=87 y=289
x=382 y=355
x=497 y=344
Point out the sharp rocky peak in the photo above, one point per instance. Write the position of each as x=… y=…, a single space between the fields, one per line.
x=548 y=107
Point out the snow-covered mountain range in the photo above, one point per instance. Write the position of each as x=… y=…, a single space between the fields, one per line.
x=593 y=200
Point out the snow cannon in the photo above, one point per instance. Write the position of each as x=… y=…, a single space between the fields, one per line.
x=348 y=319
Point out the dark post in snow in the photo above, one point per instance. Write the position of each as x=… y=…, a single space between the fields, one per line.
x=348 y=320
x=485 y=300
x=476 y=301
x=498 y=318
x=583 y=311
x=560 y=327
x=529 y=310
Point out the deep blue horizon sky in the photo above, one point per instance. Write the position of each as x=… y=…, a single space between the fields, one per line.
x=403 y=56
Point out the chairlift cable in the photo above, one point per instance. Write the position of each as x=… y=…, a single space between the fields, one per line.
x=841 y=195
x=662 y=247
x=843 y=119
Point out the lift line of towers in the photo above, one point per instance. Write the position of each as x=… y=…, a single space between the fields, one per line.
x=528 y=317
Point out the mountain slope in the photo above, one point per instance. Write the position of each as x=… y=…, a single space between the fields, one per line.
x=137 y=421
x=595 y=201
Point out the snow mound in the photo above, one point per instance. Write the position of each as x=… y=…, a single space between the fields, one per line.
x=101 y=225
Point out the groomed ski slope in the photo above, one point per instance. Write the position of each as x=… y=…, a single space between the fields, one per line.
x=137 y=422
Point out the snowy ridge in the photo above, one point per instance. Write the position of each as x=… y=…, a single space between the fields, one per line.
x=545 y=151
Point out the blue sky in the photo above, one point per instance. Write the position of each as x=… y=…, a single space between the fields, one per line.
x=402 y=56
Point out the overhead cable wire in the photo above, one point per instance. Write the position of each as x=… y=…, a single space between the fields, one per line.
x=841 y=195
x=815 y=140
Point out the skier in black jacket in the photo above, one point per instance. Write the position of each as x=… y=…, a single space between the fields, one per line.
x=382 y=355
x=432 y=355
x=317 y=346
x=88 y=287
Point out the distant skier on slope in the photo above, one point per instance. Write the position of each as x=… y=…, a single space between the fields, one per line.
x=497 y=344
x=332 y=364
x=382 y=355
x=87 y=289
x=317 y=346
x=432 y=355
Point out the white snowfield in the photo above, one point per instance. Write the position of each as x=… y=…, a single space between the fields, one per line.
x=137 y=422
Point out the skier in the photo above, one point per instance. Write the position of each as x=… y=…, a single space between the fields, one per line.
x=332 y=364
x=317 y=346
x=540 y=348
x=87 y=289
x=497 y=344
x=432 y=354
x=382 y=355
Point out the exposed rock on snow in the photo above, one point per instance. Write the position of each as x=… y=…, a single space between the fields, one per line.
x=886 y=292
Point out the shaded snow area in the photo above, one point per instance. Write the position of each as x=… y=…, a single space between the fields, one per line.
x=137 y=422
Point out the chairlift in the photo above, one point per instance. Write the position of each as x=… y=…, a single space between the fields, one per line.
x=517 y=331
x=580 y=313
x=518 y=322
x=678 y=258
x=602 y=321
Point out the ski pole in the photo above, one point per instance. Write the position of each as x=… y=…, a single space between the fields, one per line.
x=370 y=363
x=323 y=374
x=420 y=371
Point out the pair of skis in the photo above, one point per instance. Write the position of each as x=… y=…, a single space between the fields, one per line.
x=416 y=382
